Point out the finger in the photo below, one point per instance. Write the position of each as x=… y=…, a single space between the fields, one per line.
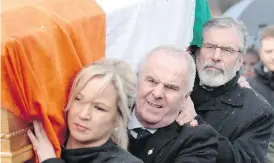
x=42 y=129
x=194 y=123
x=184 y=121
x=37 y=130
x=43 y=133
x=241 y=79
x=32 y=139
x=180 y=116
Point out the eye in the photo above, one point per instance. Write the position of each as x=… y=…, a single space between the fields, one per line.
x=268 y=51
x=77 y=98
x=171 y=88
x=100 y=108
x=210 y=46
x=229 y=50
x=151 y=81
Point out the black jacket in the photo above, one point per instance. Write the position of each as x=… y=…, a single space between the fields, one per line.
x=107 y=153
x=178 y=144
x=243 y=120
x=263 y=83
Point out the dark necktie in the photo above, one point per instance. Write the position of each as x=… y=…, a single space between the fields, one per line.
x=141 y=133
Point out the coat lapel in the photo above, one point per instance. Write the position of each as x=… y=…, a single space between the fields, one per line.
x=157 y=141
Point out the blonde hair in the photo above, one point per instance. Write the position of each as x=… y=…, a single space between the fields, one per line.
x=120 y=74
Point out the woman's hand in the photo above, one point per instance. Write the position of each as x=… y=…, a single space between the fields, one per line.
x=243 y=82
x=41 y=144
x=187 y=114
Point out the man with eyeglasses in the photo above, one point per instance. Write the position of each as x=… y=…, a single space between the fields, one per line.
x=242 y=118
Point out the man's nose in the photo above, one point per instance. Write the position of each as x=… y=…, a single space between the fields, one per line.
x=158 y=91
x=85 y=113
x=217 y=55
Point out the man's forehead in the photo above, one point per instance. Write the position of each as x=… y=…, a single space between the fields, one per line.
x=268 y=43
x=223 y=36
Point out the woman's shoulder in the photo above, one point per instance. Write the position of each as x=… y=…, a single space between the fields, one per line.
x=119 y=155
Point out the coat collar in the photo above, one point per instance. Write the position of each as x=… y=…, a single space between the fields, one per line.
x=158 y=140
x=221 y=94
x=266 y=75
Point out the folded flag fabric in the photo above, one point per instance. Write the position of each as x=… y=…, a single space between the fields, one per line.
x=202 y=14
x=46 y=42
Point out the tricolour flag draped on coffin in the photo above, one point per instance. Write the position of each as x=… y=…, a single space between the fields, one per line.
x=46 y=42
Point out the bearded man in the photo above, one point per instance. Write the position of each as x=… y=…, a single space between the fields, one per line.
x=242 y=118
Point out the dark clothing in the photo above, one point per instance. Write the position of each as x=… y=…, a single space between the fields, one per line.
x=107 y=153
x=177 y=144
x=243 y=120
x=263 y=83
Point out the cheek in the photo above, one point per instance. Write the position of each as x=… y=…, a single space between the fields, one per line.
x=232 y=63
x=71 y=117
x=266 y=57
x=143 y=91
x=71 y=114
x=203 y=57
x=103 y=119
x=174 y=102
x=200 y=61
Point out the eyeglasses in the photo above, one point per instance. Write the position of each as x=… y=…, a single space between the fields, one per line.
x=211 y=48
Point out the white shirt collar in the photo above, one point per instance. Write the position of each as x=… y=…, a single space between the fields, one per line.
x=134 y=123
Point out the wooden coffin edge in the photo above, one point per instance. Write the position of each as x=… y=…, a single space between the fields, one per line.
x=21 y=155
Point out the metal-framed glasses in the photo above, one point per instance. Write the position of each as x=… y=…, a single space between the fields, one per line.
x=211 y=48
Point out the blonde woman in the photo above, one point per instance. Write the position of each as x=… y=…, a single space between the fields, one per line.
x=98 y=110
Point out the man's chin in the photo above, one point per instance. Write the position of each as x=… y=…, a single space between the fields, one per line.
x=212 y=81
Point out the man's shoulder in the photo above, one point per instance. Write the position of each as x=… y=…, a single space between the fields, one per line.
x=255 y=81
x=255 y=102
x=202 y=131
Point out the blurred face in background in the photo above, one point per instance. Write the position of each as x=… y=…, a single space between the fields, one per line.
x=250 y=60
x=267 y=53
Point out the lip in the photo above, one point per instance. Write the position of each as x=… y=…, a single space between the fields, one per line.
x=80 y=127
x=157 y=106
x=212 y=67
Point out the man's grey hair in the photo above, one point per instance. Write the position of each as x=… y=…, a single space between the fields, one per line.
x=228 y=22
x=168 y=50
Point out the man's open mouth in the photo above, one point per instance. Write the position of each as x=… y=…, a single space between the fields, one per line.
x=154 y=105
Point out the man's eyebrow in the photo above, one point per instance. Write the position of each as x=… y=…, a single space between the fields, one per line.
x=151 y=77
x=147 y=76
